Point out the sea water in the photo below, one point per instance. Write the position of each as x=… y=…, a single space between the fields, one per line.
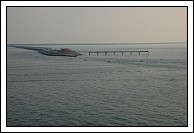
x=98 y=90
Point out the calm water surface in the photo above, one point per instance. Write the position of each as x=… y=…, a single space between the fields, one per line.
x=112 y=90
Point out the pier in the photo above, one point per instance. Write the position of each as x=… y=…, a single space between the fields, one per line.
x=69 y=52
x=114 y=52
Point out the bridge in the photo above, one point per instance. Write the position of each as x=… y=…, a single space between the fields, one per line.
x=114 y=52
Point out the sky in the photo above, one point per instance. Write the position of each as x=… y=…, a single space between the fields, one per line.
x=96 y=24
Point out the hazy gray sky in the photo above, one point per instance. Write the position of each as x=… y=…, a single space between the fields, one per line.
x=96 y=24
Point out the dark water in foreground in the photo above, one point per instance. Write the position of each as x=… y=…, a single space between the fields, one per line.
x=120 y=90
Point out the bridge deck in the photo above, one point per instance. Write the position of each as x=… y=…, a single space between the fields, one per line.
x=135 y=51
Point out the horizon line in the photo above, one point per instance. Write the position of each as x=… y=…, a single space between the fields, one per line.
x=95 y=43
